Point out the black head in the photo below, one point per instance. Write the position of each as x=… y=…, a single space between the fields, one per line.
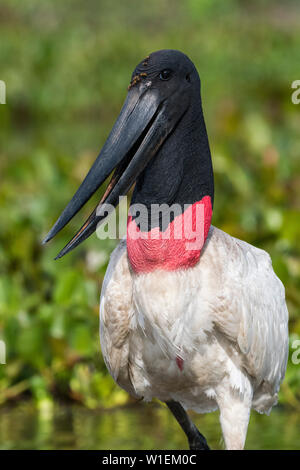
x=169 y=71
x=164 y=89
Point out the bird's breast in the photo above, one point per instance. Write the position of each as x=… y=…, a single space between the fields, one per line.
x=177 y=247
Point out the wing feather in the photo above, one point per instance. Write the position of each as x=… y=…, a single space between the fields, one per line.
x=251 y=310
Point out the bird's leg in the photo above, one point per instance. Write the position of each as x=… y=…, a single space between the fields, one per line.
x=196 y=440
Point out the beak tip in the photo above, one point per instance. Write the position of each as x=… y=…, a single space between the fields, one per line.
x=48 y=237
x=64 y=251
x=45 y=240
x=54 y=230
x=60 y=255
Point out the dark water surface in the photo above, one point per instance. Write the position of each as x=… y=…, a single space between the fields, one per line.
x=134 y=427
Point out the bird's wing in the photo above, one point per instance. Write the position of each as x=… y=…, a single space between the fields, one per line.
x=115 y=314
x=251 y=310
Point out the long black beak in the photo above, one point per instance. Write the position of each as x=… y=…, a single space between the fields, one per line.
x=143 y=124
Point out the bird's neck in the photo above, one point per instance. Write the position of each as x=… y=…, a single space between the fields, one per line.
x=172 y=202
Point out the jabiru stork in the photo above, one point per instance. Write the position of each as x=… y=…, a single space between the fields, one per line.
x=199 y=328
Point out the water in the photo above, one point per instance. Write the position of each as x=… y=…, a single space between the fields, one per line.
x=138 y=426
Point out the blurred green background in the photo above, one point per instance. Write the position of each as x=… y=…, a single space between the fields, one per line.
x=67 y=66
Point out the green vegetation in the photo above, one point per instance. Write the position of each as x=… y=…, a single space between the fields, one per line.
x=66 y=66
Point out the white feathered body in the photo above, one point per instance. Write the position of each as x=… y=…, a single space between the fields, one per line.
x=212 y=336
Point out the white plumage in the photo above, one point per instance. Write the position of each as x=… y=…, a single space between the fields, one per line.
x=226 y=318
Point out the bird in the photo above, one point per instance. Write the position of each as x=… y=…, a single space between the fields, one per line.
x=189 y=315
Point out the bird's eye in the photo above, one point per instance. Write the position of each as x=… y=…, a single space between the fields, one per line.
x=165 y=74
x=188 y=78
